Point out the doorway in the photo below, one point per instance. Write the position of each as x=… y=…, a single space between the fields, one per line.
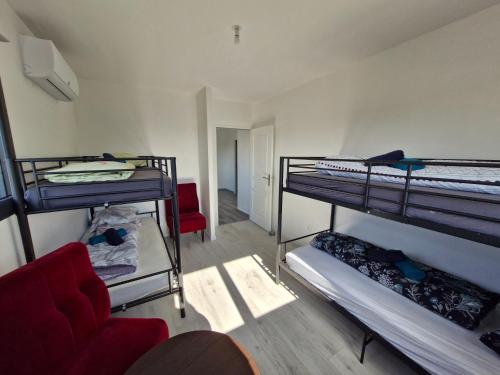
x=233 y=175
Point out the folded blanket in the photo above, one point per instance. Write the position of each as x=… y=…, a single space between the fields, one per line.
x=91 y=172
x=453 y=298
x=113 y=261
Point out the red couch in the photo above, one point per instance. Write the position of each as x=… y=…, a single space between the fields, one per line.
x=191 y=220
x=55 y=319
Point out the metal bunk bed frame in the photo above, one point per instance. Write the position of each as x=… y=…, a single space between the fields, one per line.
x=290 y=165
x=159 y=163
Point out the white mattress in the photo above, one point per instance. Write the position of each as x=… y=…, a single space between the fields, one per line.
x=440 y=346
x=152 y=258
x=394 y=175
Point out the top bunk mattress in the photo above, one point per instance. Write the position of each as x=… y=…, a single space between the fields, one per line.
x=440 y=346
x=388 y=197
x=141 y=186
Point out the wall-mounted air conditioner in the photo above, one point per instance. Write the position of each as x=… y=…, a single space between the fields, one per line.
x=47 y=68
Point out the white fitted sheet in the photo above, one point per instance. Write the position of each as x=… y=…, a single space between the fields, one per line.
x=388 y=174
x=440 y=346
x=152 y=258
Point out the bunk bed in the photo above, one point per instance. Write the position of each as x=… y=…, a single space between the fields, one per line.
x=53 y=184
x=464 y=203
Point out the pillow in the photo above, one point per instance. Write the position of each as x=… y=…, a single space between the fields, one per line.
x=337 y=243
x=116 y=215
x=389 y=157
x=137 y=163
x=404 y=167
x=492 y=340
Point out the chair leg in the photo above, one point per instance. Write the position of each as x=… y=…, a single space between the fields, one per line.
x=202 y=236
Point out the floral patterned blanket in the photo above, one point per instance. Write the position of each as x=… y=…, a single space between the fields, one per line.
x=449 y=296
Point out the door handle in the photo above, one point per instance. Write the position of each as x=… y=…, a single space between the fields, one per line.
x=268 y=178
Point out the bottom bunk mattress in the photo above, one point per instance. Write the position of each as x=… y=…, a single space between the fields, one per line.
x=152 y=257
x=388 y=197
x=439 y=346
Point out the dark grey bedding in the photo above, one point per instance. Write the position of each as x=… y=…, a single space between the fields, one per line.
x=143 y=185
x=340 y=188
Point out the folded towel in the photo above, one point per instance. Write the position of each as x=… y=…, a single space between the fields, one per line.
x=390 y=157
x=108 y=156
x=95 y=240
x=112 y=237
x=404 y=167
x=410 y=270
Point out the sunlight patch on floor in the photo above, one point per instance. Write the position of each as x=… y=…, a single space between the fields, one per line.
x=256 y=286
x=207 y=293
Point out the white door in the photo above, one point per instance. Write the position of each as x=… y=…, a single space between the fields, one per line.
x=262 y=149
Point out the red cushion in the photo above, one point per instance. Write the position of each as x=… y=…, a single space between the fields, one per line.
x=191 y=219
x=188 y=198
x=54 y=317
x=117 y=346
x=77 y=292
x=191 y=222
x=35 y=335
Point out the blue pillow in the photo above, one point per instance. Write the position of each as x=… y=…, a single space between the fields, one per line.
x=410 y=270
x=389 y=157
x=404 y=167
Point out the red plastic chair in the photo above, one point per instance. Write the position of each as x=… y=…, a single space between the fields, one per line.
x=191 y=220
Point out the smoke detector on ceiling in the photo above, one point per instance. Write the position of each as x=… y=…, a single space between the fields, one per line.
x=236 y=30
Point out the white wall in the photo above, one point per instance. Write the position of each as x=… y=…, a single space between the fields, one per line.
x=41 y=126
x=434 y=96
x=226 y=159
x=243 y=137
x=231 y=114
x=141 y=120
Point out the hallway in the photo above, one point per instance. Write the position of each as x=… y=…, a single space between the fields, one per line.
x=228 y=208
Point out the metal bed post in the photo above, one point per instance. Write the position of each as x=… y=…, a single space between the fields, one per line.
x=332 y=217
x=177 y=238
x=280 y=219
x=15 y=182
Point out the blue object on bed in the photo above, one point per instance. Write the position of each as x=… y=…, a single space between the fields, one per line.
x=410 y=270
x=404 y=167
x=455 y=299
x=95 y=240
x=389 y=157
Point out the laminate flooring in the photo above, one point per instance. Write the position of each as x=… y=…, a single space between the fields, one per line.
x=229 y=287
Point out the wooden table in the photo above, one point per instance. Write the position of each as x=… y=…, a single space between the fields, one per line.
x=196 y=352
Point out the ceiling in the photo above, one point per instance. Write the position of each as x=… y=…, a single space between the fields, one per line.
x=186 y=44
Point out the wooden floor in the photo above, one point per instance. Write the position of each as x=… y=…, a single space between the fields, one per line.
x=228 y=208
x=289 y=330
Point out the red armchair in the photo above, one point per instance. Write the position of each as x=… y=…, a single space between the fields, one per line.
x=55 y=319
x=191 y=220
